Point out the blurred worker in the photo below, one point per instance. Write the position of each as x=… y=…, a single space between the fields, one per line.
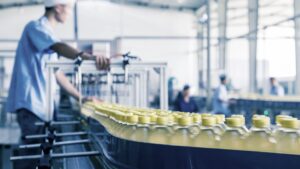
x=276 y=89
x=39 y=44
x=184 y=102
x=220 y=98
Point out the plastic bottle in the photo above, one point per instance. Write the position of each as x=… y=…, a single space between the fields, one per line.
x=287 y=139
x=207 y=135
x=182 y=135
x=160 y=132
x=130 y=126
x=243 y=128
x=233 y=135
x=141 y=132
x=195 y=127
x=260 y=134
x=220 y=126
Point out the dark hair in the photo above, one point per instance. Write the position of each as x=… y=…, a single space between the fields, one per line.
x=49 y=9
x=222 y=78
x=272 y=78
x=186 y=87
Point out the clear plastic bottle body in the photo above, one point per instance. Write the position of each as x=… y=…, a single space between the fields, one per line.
x=287 y=141
x=259 y=139
x=205 y=138
x=232 y=139
x=141 y=133
x=159 y=134
x=181 y=136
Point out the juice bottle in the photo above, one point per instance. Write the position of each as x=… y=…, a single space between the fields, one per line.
x=141 y=132
x=130 y=127
x=287 y=139
x=195 y=127
x=160 y=132
x=220 y=126
x=259 y=137
x=207 y=135
x=243 y=128
x=233 y=135
x=182 y=135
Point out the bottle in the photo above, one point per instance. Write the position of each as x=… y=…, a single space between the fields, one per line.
x=141 y=132
x=259 y=138
x=207 y=134
x=233 y=135
x=130 y=126
x=243 y=128
x=182 y=135
x=278 y=120
x=160 y=132
x=287 y=139
x=195 y=127
x=220 y=126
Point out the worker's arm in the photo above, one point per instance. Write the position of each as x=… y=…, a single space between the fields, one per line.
x=69 y=52
x=64 y=82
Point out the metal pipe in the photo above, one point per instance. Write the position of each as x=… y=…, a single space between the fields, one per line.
x=60 y=155
x=58 y=123
x=57 y=135
x=56 y=143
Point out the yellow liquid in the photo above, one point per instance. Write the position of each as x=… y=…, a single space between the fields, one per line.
x=287 y=142
x=181 y=137
x=232 y=139
x=141 y=134
x=259 y=140
x=159 y=135
x=206 y=138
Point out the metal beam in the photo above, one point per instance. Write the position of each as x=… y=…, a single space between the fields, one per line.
x=297 y=44
x=208 y=72
x=252 y=38
x=222 y=25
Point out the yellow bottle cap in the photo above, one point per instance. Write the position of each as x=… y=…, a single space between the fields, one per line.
x=203 y=115
x=261 y=122
x=291 y=123
x=162 y=120
x=240 y=117
x=144 y=119
x=172 y=119
x=220 y=118
x=209 y=121
x=185 y=121
x=153 y=118
x=234 y=122
x=280 y=117
x=196 y=118
x=132 y=119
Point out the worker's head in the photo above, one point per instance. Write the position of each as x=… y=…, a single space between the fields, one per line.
x=223 y=79
x=186 y=90
x=60 y=9
x=272 y=81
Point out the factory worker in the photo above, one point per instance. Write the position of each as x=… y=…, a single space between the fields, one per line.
x=184 y=102
x=276 y=89
x=39 y=44
x=220 y=98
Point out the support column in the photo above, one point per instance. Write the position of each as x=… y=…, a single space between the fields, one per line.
x=297 y=45
x=222 y=25
x=252 y=38
x=208 y=74
x=76 y=21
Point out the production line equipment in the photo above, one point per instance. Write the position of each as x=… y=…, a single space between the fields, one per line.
x=129 y=81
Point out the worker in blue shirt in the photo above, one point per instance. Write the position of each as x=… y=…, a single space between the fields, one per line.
x=39 y=44
x=276 y=89
x=184 y=102
x=220 y=98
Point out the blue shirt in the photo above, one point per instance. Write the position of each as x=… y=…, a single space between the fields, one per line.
x=183 y=106
x=28 y=84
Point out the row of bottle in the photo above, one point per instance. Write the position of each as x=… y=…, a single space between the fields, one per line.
x=201 y=130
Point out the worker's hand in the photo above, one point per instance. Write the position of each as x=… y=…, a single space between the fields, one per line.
x=92 y=99
x=102 y=62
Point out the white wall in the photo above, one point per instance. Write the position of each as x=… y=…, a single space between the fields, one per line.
x=102 y=20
